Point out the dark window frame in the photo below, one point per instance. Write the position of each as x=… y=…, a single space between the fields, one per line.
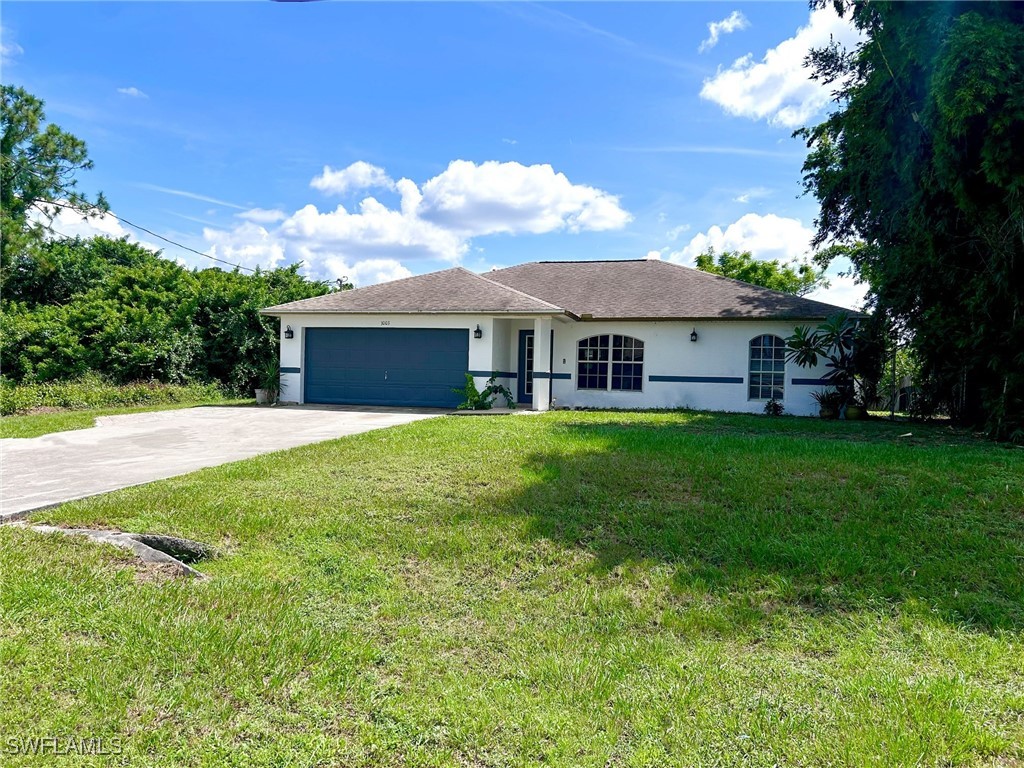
x=610 y=362
x=766 y=368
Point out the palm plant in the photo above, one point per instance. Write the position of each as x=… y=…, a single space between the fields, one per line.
x=835 y=340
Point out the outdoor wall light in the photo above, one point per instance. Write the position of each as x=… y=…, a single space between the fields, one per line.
x=693 y=335
x=478 y=333
x=289 y=333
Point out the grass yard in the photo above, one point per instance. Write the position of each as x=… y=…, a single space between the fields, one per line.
x=572 y=589
x=63 y=420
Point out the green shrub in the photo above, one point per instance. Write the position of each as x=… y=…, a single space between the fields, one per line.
x=92 y=391
x=475 y=400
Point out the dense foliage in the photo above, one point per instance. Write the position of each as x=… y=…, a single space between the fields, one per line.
x=798 y=280
x=923 y=161
x=114 y=308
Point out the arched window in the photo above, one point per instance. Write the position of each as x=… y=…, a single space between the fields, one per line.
x=767 y=368
x=610 y=362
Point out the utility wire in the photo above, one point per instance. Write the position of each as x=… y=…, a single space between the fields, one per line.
x=154 y=234
x=20 y=165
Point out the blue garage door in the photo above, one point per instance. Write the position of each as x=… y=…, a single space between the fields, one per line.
x=385 y=366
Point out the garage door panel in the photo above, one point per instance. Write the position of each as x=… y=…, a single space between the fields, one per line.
x=385 y=366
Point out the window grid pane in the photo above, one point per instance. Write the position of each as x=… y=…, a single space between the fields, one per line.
x=621 y=356
x=591 y=365
x=628 y=369
x=767 y=368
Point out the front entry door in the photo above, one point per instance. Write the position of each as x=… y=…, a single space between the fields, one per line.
x=525 y=377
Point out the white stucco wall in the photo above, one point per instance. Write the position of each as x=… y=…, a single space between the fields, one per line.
x=502 y=347
x=721 y=351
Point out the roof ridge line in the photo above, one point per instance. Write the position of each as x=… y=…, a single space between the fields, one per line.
x=583 y=261
x=510 y=288
x=392 y=282
x=353 y=290
x=745 y=283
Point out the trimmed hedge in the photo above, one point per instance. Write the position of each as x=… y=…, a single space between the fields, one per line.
x=94 y=392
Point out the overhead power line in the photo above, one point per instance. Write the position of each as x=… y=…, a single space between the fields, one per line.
x=154 y=234
x=129 y=223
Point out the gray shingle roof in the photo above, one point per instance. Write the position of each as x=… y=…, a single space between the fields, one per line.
x=450 y=290
x=653 y=289
x=619 y=290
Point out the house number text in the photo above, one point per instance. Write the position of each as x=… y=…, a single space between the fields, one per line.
x=385 y=322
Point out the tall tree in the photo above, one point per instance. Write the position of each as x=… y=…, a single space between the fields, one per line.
x=770 y=274
x=923 y=161
x=37 y=166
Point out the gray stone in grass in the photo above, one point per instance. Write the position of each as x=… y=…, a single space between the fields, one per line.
x=148 y=547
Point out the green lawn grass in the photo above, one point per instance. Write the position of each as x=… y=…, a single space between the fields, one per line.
x=37 y=424
x=577 y=589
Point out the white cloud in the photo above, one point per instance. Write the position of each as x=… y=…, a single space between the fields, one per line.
x=372 y=241
x=770 y=238
x=70 y=223
x=653 y=256
x=509 y=197
x=247 y=245
x=374 y=231
x=510 y=141
x=753 y=193
x=842 y=292
x=778 y=88
x=674 y=233
x=134 y=92
x=189 y=195
x=371 y=271
x=9 y=50
x=726 y=26
x=766 y=237
x=263 y=215
x=359 y=175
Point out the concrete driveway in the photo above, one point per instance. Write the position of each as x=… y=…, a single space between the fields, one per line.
x=121 y=451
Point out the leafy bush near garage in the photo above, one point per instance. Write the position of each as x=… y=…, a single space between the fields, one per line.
x=476 y=400
x=74 y=307
x=93 y=391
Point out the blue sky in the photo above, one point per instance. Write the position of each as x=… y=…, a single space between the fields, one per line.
x=379 y=140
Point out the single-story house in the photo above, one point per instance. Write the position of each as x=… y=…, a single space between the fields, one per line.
x=602 y=334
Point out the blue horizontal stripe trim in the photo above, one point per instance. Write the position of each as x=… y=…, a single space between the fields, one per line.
x=290 y=370
x=698 y=379
x=546 y=375
x=496 y=374
x=810 y=382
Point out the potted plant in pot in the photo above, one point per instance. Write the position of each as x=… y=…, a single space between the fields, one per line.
x=829 y=401
x=846 y=346
x=855 y=411
x=269 y=384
